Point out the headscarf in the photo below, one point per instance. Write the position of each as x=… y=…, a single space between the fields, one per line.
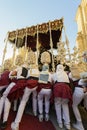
x=82 y=83
x=83 y=80
x=61 y=75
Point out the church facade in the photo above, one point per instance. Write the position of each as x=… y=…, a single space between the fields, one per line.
x=81 y=19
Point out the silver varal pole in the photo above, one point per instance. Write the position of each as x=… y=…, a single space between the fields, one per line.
x=5 y=49
x=37 y=46
x=26 y=45
x=67 y=44
x=14 y=49
x=26 y=39
x=51 y=45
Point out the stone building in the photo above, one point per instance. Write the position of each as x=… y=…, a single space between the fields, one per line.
x=81 y=19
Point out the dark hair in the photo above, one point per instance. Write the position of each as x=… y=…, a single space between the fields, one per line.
x=66 y=68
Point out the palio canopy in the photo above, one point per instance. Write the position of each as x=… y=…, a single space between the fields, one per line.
x=42 y=32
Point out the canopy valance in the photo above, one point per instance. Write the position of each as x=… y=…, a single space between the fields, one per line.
x=40 y=31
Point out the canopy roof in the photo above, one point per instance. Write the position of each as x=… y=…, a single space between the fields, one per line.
x=29 y=35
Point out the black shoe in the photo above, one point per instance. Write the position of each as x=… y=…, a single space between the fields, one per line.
x=3 y=125
x=85 y=109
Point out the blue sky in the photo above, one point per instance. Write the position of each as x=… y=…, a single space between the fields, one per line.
x=17 y=14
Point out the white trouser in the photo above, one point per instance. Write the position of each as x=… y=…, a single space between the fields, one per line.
x=4 y=104
x=10 y=86
x=78 y=95
x=6 y=109
x=62 y=110
x=44 y=93
x=5 y=94
x=23 y=102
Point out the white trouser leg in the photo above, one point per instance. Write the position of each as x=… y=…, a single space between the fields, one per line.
x=22 y=105
x=40 y=102
x=10 y=86
x=47 y=94
x=5 y=94
x=2 y=101
x=47 y=99
x=34 y=102
x=57 y=102
x=6 y=109
x=77 y=98
x=65 y=108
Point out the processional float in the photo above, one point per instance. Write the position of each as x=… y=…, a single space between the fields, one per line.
x=40 y=38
